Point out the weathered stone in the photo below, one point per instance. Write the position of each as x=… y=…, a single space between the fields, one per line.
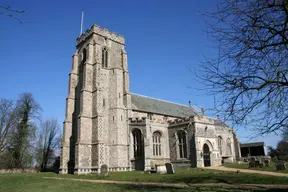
x=266 y=162
x=252 y=158
x=170 y=168
x=101 y=115
x=161 y=169
x=104 y=170
x=251 y=164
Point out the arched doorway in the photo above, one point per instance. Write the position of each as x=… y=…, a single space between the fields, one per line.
x=138 y=148
x=206 y=155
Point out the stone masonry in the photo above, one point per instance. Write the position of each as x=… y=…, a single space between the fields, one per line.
x=106 y=124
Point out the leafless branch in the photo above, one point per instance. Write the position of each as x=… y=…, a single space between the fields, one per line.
x=249 y=76
x=8 y=11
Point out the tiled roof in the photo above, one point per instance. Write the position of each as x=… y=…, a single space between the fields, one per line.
x=151 y=105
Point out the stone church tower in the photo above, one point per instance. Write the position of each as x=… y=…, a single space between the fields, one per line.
x=106 y=124
x=98 y=105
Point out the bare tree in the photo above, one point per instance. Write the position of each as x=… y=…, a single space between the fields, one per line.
x=24 y=133
x=249 y=76
x=8 y=120
x=8 y=11
x=49 y=138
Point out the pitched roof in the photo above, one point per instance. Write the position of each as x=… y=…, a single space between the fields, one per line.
x=220 y=123
x=255 y=144
x=151 y=105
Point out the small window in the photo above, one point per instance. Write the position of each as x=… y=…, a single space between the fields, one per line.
x=121 y=118
x=104 y=57
x=119 y=95
x=156 y=143
x=103 y=102
x=113 y=118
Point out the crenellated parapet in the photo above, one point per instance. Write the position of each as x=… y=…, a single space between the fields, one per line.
x=138 y=119
x=180 y=121
x=95 y=29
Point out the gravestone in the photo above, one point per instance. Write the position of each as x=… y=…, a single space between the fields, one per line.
x=104 y=170
x=170 y=168
x=281 y=165
x=257 y=163
x=252 y=158
x=266 y=163
x=160 y=169
x=252 y=162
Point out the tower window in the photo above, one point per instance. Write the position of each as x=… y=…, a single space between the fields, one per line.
x=104 y=57
x=84 y=55
x=103 y=102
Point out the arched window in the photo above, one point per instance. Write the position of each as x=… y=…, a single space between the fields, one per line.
x=220 y=144
x=104 y=57
x=137 y=143
x=182 y=146
x=157 y=143
x=81 y=75
x=228 y=149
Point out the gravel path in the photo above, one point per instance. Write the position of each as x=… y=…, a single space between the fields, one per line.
x=221 y=168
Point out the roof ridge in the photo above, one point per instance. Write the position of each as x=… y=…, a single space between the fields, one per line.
x=165 y=101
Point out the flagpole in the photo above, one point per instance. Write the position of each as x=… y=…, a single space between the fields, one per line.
x=81 y=28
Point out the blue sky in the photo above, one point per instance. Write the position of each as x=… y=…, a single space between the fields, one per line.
x=164 y=39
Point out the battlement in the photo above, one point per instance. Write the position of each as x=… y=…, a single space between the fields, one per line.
x=95 y=29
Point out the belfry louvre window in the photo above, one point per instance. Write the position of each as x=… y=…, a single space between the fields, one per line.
x=104 y=57
x=156 y=143
x=182 y=144
x=84 y=55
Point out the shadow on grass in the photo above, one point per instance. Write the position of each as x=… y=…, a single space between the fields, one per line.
x=149 y=188
x=194 y=189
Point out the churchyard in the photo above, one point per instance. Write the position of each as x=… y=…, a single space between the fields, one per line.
x=271 y=168
x=44 y=182
x=260 y=164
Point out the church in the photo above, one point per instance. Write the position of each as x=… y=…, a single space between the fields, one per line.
x=107 y=124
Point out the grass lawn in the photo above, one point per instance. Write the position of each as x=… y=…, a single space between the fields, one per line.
x=192 y=175
x=36 y=183
x=272 y=167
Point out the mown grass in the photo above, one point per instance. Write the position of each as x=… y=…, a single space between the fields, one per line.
x=271 y=168
x=189 y=175
x=35 y=182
